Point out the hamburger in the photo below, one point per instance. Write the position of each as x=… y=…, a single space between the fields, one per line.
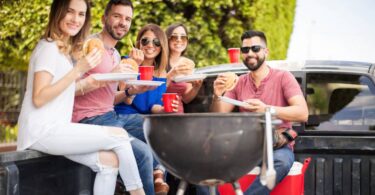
x=189 y=63
x=92 y=43
x=131 y=62
x=231 y=82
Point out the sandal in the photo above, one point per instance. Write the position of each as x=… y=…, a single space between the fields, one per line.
x=161 y=188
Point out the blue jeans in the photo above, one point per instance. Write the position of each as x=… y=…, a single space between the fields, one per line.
x=283 y=161
x=142 y=151
x=133 y=123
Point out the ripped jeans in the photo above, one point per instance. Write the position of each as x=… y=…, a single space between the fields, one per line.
x=82 y=143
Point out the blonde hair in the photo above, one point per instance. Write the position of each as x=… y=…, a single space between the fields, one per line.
x=161 y=61
x=73 y=46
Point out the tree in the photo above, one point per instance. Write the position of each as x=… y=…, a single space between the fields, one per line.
x=214 y=25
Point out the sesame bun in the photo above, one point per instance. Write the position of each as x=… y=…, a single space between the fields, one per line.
x=92 y=43
x=231 y=82
x=132 y=62
x=186 y=61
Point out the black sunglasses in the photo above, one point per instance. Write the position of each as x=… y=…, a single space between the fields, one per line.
x=145 y=41
x=177 y=37
x=254 y=48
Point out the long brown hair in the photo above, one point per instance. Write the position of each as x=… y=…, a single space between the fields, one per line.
x=59 y=9
x=162 y=59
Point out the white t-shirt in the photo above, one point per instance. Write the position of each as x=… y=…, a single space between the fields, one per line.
x=34 y=123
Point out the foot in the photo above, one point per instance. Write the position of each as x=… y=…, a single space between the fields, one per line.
x=161 y=188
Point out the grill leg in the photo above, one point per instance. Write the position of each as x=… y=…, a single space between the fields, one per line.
x=237 y=188
x=181 y=187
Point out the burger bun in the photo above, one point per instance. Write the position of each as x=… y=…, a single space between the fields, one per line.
x=92 y=43
x=231 y=81
x=131 y=62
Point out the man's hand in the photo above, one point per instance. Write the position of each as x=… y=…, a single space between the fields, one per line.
x=219 y=85
x=255 y=105
x=279 y=139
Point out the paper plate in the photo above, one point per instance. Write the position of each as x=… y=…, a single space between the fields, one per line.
x=232 y=101
x=144 y=82
x=115 y=76
x=187 y=78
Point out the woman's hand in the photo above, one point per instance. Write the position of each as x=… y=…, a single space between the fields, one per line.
x=197 y=84
x=123 y=68
x=137 y=55
x=89 y=62
x=137 y=89
x=175 y=104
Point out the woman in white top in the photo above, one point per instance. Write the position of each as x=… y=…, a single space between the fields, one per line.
x=45 y=119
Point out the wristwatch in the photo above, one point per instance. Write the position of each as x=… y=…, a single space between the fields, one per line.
x=127 y=93
x=290 y=134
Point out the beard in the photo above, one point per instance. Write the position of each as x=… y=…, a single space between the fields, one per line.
x=253 y=67
x=111 y=31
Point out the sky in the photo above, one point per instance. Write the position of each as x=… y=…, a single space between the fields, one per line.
x=333 y=30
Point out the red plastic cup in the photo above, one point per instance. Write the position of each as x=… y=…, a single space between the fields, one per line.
x=234 y=55
x=167 y=100
x=146 y=72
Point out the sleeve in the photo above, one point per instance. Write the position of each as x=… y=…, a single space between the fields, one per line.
x=46 y=57
x=140 y=103
x=156 y=96
x=290 y=86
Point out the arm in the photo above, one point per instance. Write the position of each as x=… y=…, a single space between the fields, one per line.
x=219 y=89
x=43 y=89
x=191 y=91
x=158 y=109
x=296 y=111
x=88 y=84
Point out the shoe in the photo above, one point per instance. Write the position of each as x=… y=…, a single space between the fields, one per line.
x=161 y=188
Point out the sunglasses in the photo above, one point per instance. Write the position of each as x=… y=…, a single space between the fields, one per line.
x=145 y=41
x=254 y=48
x=177 y=37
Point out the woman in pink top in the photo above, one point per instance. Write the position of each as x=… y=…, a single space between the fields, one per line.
x=178 y=40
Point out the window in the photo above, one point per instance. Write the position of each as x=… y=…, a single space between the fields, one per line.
x=340 y=102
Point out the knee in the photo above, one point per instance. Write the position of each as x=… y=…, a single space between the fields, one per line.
x=116 y=131
x=142 y=152
x=283 y=161
x=108 y=158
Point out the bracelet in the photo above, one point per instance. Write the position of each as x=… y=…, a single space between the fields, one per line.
x=81 y=88
x=290 y=134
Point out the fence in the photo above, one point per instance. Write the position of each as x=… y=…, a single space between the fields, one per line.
x=12 y=89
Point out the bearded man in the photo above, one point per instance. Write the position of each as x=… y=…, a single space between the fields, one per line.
x=265 y=87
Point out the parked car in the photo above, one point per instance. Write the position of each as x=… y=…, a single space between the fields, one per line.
x=339 y=134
